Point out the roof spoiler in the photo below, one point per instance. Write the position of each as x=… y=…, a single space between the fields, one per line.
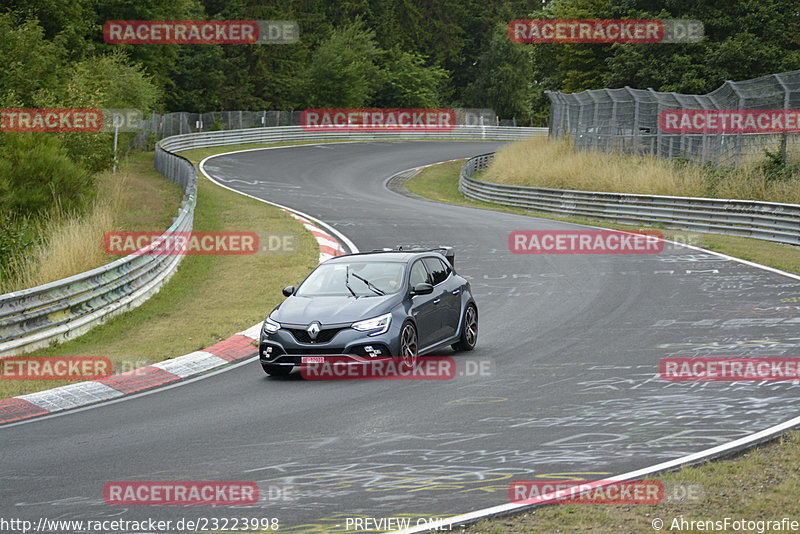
x=450 y=255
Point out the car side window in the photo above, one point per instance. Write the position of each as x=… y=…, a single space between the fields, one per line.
x=418 y=274
x=448 y=269
x=439 y=272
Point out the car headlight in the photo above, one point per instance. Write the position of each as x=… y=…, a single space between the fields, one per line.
x=375 y=326
x=270 y=326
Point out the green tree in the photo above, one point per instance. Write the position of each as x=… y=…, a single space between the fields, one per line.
x=343 y=71
x=406 y=82
x=30 y=62
x=200 y=82
x=743 y=40
x=262 y=76
x=68 y=24
x=572 y=67
x=106 y=81
x=503 y=78
x=159 y=60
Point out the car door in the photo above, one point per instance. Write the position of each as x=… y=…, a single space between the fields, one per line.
x=423 y=309
x=449 y=294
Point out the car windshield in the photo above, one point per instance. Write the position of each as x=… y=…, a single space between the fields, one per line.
x=363 y=278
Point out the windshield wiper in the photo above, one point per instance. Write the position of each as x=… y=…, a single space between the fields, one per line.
x=370 y=285
x=347 y=281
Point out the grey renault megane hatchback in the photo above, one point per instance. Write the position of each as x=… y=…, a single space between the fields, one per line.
x=398 y=303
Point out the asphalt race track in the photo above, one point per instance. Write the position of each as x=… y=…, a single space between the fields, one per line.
x=574 y=343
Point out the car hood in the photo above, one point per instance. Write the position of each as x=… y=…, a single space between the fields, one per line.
x=332 y=310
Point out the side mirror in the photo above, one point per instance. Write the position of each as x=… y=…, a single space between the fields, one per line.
x=422 y=289
x=288 y=291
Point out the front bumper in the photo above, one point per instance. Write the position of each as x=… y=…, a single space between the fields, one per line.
x=283 y=347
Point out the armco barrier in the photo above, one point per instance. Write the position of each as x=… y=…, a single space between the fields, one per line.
x=762 y=220
x=34 y=318
x=297 y=133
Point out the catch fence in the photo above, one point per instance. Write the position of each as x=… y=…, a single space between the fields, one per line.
x=627 y=120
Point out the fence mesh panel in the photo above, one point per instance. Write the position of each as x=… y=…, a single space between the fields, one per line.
x=627 y=120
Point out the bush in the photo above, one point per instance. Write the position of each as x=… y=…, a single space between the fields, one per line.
x=776 y=167
x=37 y=175
x=16 y=236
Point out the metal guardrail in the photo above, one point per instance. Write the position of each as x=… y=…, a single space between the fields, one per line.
x=748 y=218
x=33 y=318
x=57 y=311
x=158 y=126
x=299 y=133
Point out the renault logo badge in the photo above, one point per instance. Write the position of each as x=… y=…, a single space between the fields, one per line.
x=313 y=330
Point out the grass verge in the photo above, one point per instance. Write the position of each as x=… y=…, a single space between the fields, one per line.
x=762 y=484
x=544 y=162
x=209 y=297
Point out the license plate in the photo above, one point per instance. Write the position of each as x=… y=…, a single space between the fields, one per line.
x=313 y=359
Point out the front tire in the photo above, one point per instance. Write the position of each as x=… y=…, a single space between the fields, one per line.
x=276 y=370
x=409 y=349
x=469 y=332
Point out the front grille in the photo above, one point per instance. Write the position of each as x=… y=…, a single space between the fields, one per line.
x=324 y=335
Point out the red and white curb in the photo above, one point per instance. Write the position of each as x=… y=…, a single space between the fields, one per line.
x=329 y=247
x=237 y=347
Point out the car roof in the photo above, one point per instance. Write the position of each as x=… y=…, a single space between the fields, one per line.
x=388 y=255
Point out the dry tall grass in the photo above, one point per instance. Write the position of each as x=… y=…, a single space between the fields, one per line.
x=542 y=162
x=69 y=244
